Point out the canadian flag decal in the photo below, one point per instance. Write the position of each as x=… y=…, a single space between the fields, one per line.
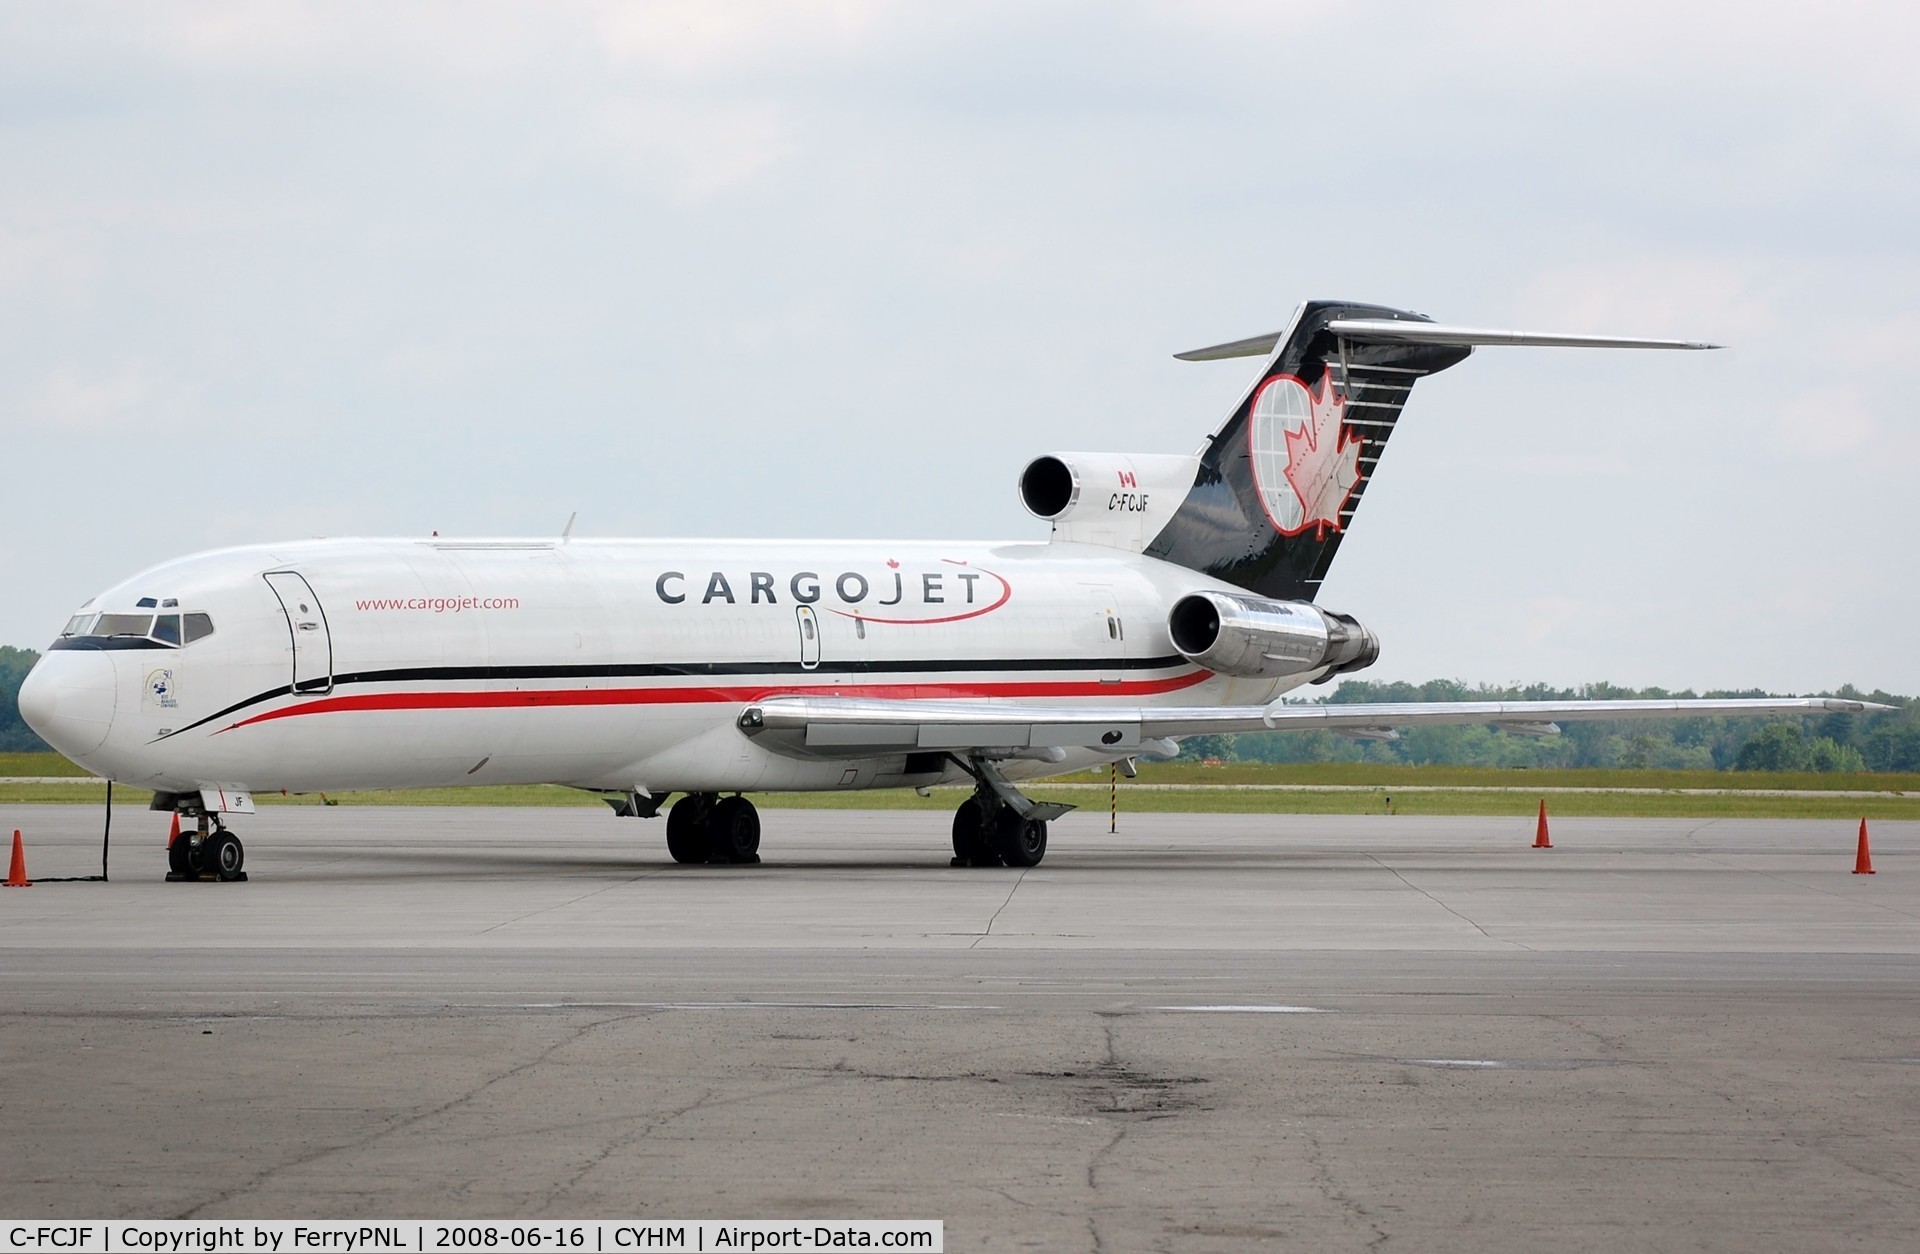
x=1306 y=463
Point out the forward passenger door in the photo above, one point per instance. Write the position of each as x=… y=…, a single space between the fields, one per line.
x=307 y=626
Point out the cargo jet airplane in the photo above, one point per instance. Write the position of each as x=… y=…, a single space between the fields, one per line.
x=1175 y=597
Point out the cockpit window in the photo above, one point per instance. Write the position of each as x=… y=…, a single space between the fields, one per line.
x=111 y=625
x=133 y=631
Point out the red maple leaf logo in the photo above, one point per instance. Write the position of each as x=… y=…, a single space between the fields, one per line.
x=1321 y=467
x=1323 y=460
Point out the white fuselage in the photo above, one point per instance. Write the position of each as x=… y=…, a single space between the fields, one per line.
x=614 y=665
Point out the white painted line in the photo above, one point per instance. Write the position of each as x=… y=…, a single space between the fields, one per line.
x=1247 y=1010
x=729 y=1005
x=1511 y=1064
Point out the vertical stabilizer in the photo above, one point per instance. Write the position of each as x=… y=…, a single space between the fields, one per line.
x=1281 y=480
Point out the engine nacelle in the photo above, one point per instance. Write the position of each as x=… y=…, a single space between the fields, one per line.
x=1252 y=637
x=1120 y=500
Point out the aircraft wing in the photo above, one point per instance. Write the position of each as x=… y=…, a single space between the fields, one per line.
x=843 y=727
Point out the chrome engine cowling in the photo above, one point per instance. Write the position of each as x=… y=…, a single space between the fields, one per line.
x=1121 y=500
x=1252 y=637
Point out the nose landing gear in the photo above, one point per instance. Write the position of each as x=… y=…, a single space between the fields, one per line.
x=705 y=827
x=206 y=852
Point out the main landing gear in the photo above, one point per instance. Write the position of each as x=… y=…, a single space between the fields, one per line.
x=983 y=837
x=206 y=851
x=998 y=824
x=706 y=827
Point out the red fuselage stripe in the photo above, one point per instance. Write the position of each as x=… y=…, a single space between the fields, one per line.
x=526 y=698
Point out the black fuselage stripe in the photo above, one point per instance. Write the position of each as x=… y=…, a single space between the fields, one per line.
x=705 y=670
x=693 y=670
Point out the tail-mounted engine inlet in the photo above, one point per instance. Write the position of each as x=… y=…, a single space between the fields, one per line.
x=1120 y=500
x=1254 y=638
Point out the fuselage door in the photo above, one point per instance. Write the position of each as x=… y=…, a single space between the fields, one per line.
x=809 y=637
x=307 y=625
x=1109 y=634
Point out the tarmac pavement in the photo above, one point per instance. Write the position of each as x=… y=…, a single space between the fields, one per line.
x=1208 y=1032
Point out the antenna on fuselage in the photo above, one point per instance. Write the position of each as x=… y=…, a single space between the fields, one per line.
x=566 y=532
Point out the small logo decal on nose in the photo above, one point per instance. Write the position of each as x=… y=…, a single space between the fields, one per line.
x=159 y=694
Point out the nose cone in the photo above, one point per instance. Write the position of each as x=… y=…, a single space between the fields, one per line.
x=68 y=698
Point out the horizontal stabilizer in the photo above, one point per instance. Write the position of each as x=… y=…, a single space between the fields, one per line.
x=1389 y=331
x=1392 y=331
x=1252 y=346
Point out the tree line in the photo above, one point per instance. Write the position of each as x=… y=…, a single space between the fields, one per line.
x=15 y=735
x=1882 y=741
x=1888 y=741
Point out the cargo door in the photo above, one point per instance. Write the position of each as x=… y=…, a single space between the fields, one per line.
x=307 y=626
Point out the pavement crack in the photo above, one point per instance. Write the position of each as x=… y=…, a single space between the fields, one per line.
x=1109 y=1064
x=1351 y=1211
x=1614 y=1047
x=1849 y=898
x=625 y=1140
x=571 y=901
x=1100 y=1156
x=1003 y=906
x=398 y=1125
x=1819 y=1144
x=1444 y=906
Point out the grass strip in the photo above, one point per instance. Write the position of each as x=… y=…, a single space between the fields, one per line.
x=1348 y=774
x=1806 y=805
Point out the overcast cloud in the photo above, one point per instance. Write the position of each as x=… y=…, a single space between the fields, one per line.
x=840 y=269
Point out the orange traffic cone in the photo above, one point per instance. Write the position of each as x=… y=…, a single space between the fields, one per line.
x=1862 y=859
x=1540 y=839
x=17 y=873
x=173 y=833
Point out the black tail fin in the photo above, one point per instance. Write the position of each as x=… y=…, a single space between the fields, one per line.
x=1279 y=483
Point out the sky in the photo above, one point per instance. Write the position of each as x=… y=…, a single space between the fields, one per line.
x=270 y=271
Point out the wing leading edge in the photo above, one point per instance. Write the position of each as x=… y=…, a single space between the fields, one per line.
x=844 y=727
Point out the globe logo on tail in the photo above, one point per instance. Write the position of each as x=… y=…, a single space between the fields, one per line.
x=1306 y=463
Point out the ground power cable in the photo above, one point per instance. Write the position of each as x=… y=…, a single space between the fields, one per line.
x=106 y=836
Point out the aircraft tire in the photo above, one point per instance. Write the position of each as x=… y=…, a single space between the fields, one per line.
x=225 y=855
x=970 y=844
x=686 y=832
x=180 y=855
x=733 y=832
x=1022 y=842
